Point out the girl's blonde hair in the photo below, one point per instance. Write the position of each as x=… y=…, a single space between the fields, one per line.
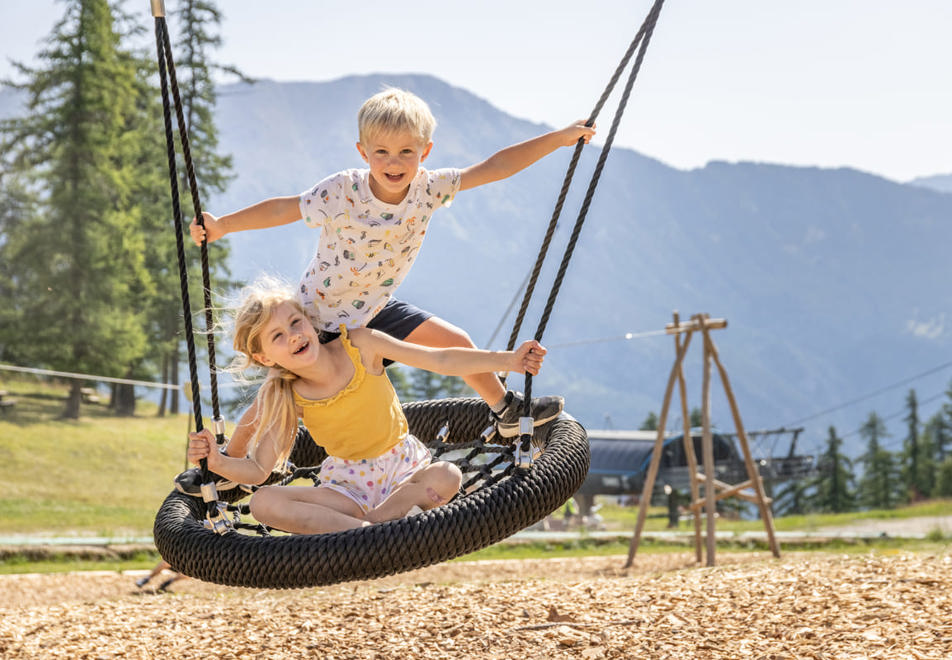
x=276 y=414
x=395 y=110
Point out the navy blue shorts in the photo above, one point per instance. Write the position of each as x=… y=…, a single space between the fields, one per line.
x=398 y=319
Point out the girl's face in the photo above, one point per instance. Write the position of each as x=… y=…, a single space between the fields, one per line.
x=288 y=339
x=394 y=158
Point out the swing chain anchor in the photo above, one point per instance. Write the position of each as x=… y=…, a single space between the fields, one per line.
x=524 y=455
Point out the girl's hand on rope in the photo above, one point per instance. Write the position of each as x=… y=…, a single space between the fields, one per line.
x=200 y=446
x=576 y=130
x=528 y=357
x=211 y=232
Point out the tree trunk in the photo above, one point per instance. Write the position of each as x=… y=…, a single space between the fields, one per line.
x=73 y=400
x=125 y=400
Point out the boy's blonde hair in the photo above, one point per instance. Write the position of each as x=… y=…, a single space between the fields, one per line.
x=395 y=110
x=276 y=414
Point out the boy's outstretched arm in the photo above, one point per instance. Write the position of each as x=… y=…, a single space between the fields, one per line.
x=269 y=213
x=512 y=159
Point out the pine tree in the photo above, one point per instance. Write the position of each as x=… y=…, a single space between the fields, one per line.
x=79 y=261
x=792 y=498
x=833 y=487
x=650 y=423
x=927 y=451
x=943 y=431
x=880 y=484
x=911 y=459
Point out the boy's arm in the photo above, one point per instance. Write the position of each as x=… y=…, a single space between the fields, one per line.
x=269 y=213
x=512 y=159
x=375 y=345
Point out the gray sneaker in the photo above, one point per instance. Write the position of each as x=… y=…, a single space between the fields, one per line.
x=542 y=409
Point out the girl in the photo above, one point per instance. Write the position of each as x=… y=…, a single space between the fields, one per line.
x=375 y=470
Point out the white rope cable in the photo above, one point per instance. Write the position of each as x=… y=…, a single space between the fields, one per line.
x=624 y=337
x=104 y=379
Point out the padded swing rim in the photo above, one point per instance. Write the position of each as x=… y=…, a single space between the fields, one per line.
x=469 y=523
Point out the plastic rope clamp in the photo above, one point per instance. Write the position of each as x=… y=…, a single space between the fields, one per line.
x=526 y=425
x=210 y=492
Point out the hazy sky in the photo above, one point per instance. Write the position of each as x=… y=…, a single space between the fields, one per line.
x=859 y=83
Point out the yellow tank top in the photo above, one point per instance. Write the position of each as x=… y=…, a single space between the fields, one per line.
x=363 y=420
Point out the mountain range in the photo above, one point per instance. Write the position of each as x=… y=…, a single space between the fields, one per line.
x=834 y=282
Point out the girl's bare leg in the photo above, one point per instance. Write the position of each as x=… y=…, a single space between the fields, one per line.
x=430 y=487
x=305 y=509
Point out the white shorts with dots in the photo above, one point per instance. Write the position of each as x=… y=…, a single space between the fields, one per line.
x=369 y=481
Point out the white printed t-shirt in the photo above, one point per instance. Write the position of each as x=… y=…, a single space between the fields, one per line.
x=366 y=246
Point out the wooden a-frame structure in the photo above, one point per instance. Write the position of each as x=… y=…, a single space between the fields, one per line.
x=713 y=489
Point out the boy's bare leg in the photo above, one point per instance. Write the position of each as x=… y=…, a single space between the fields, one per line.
x=430 y=487
x=437 y=333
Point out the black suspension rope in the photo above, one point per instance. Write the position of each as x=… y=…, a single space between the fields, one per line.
x=168 y=81
x=197 y=208
x=639 y=43
x=649 y=23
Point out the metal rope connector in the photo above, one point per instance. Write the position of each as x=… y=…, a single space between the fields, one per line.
x=215 y=518
x=443 y=433
x=524 y=455
x=158 y=8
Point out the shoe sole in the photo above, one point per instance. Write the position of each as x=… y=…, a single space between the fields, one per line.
x=221 y=487
x=513 y=431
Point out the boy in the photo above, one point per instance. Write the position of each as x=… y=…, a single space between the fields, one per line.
x=372 y=225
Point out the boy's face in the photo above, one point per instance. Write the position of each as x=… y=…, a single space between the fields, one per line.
x=394 y=158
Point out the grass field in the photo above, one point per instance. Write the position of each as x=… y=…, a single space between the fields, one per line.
x=105 y=476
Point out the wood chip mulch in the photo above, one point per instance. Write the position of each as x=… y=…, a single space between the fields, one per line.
x=749 y=606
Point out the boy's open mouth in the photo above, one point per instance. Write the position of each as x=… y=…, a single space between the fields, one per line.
x=395 y=178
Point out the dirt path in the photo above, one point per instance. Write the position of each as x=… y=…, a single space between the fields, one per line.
x=918 y=527
x=750 y=605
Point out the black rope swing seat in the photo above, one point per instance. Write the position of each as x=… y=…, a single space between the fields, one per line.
x=508 y=485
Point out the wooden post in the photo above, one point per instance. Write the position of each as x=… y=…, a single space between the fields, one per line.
x=707 y=451
x=648 y=485
x=753 y=474
x=688 y=445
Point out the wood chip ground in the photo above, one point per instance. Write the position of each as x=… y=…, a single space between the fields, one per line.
x=891 y=606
